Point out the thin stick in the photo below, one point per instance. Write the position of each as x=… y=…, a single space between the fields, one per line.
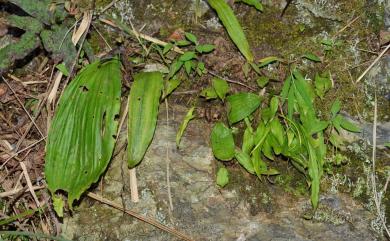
x=373 y=63
x=377 y=197
x=230 y=81
x=167 y=161
x=20 y=102
x=140 y=217
x=133 y=185
x=29 y=184
x=346 y=26
x=16 y=191
x=26 y=148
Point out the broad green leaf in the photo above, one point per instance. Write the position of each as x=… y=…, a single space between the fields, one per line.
x=317 y=126
x=167 y=48
x=267 y=149
x=82 y=135
x=305 y=89
x=274 y=143
x=61 y=67
x=291 y=103
x=233 y=27
x=247 y=141
x=188 y=66
x=170 y=86
x=349 y=126
x=268 y=60
x=222 y=142
x=274 y=105
x=335 y=139
x=221 y=87
x=336 y=106
x=322 y=85
x=191 y=37
x=183 y=43
x=285 y=89
x=327 y=42
x=245 y=160
x=262 y=81
x=312 y=57
x=205 y=48
x=209 y=93
x=58 y=205
x=144 y=100
x=254 y=3
x=387 y=144
x=189 y=116
x=270 y=172
x=187 y=56
x=258 y=164
x=277 y=131
x=242 y=105
x=175 y=66
x=222 y=177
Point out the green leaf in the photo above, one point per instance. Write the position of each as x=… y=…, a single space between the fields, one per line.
x=233 y=27
x=312 y=57
x=183 y=43
x=268 y=60
x=61 y=67
x=187 y=56
x=191 y=37
x=267 y=149
x=254 y=3
x=335 y=139
x=322 y=85
x=258 y=164
x=167 y=48
x=209 y=93
x=245 y=160
x=205 y=48
x=82 y=135
x=188 y=66
x=189 y=116
x=274 y=105
x=317 y=126
x=336 y=106
x=387 y=144
x=242 y=105
x=349 y=126
x=221 y=87
x=175 y=66
x=144 y=101
x=222 y=142
x=247 y=141
x=170 y=86
x=262 y=81
x=277 y=131
x=222 y=177
x=58 y=205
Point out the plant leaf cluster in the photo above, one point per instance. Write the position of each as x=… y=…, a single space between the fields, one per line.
x=288 y=127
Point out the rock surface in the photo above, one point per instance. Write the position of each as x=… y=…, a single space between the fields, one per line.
x=201 y=209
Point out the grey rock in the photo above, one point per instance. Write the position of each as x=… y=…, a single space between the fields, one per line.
x=201 y=209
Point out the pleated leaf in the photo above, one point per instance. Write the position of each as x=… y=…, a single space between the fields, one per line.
x=144 y=100
x=233 y=27
x=82 y=135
